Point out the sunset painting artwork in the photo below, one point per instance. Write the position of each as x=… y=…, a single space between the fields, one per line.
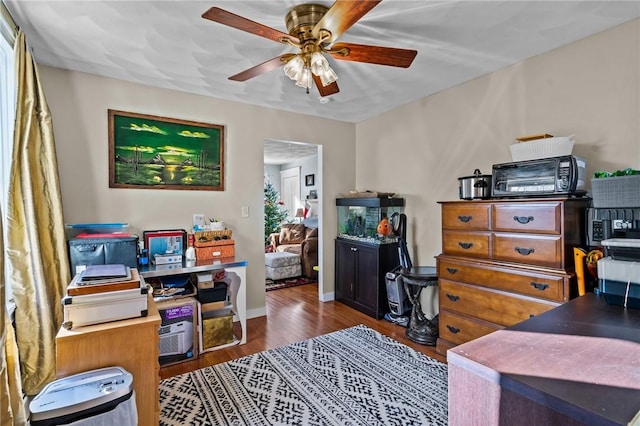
x=153 y=152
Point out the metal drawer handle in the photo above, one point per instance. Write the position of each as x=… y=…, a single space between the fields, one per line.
x=452 y=297
x=539 y=286
x=524 y=251
x=465 y=219
x=465 y=246
x=453 y=329
x=522 y=219
x=452 y=270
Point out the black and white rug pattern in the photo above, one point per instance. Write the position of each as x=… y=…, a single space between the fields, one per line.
x=354 y=376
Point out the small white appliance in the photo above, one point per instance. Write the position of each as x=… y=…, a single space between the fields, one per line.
x=176 y=338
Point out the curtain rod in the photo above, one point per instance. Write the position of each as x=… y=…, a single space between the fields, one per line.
x=8 y=19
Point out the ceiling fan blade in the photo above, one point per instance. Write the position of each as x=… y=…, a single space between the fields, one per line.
x=331 y=89
x=267 y=66
x=235 y=21
x=342 y=15
x=390 y=56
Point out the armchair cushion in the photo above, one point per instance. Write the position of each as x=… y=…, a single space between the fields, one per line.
x=292 y=233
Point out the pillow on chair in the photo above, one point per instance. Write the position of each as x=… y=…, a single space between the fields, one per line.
x=292 y=233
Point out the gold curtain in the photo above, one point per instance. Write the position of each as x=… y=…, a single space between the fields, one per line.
x=36 y=249
x=12 y=410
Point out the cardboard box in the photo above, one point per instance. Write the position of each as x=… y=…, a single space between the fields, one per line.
x=179 y=330
x=215 y=252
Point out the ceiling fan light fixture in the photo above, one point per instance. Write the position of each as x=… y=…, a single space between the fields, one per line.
x=328 y=77
x=304 y=80
x=293 y=68
x=320 y=67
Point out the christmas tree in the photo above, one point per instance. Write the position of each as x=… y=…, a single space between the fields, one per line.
x=274 y=215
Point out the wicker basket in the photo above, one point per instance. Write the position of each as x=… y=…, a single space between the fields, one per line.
x=202 y=236
x=617 y=191
x=213 y=243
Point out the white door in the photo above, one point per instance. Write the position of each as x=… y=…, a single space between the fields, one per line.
x=290 y=190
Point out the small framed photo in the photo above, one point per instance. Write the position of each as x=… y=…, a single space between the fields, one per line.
x=170 y=241
x=309 y=180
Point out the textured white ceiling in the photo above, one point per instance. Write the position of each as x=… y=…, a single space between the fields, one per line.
x=277 y=152
x=168 y=44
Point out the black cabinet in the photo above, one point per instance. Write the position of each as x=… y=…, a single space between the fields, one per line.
x=360 y=272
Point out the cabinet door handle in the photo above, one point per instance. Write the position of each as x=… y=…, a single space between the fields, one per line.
x=539 y=286
x=465 y=246
x=524 y=251
x=452 y=270
x=354 y=249
x=465 y=219
x=523 y=219
x=452 y=297
x=453 y=329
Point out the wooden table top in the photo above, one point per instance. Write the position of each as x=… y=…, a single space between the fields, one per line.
x=581 y=359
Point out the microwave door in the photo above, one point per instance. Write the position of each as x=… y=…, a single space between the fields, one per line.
x=525 y=179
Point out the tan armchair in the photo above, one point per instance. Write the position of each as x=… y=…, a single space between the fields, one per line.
x=301 y=240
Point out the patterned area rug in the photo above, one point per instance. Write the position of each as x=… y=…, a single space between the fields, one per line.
x=355 y=376
x=288 y=282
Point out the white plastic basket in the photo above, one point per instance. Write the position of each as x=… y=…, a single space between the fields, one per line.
x=542 y=148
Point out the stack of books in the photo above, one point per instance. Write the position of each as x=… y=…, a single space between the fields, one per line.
x=104 y=293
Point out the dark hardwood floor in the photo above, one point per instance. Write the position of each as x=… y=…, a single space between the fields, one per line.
x=295 y=314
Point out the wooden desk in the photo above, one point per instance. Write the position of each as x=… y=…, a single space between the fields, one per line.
x=577 y=364
x=131 y=344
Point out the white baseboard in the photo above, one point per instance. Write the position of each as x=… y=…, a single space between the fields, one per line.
x=327 y=297
x=255 y=313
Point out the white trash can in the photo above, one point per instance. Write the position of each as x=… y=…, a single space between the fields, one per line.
x=102 y=397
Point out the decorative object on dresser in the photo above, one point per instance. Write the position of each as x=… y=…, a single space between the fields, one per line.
x=353 y=376
x=363 y=257
x=504 y=261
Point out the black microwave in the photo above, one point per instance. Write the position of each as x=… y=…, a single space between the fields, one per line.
x=561 y=176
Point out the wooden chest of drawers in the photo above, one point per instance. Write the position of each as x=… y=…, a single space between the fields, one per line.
x=504 y=261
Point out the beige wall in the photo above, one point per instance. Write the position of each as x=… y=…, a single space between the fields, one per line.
x=79 y=104
x=590 y=88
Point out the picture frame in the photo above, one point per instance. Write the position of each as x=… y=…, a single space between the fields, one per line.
x=153 y=152
x=169 y=241
x=309 y=180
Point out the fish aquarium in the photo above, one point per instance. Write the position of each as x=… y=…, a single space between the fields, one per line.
x=368 y=219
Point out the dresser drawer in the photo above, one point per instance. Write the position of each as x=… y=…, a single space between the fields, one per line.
x=546 y=286
x=460 y=329
x=489 y=305
x=472 y=217
x=473 y=244
x=543 y=250
x=544 y=218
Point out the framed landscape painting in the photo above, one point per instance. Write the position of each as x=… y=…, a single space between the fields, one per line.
x=147 y=151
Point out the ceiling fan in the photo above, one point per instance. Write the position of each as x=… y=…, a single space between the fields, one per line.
x=314 y=29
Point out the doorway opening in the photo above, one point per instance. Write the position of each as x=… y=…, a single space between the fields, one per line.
x=294 y=170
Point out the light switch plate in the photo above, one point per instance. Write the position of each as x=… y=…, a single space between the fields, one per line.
x=245 y=211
